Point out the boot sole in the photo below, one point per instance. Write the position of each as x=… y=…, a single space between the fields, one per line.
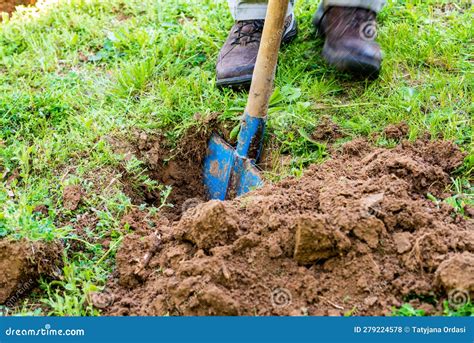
x=358 y=66
x=246 y=80
x=238 y=81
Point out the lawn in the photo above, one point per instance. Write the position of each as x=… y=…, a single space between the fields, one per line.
x=75 y=73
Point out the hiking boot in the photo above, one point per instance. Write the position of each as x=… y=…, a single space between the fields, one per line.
x=350 y=40
x=237 y=57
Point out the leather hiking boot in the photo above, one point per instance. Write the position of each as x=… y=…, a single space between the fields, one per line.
x=237 y=57
x=350 y=40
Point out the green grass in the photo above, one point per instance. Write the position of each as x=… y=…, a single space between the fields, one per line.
x=73 y=72
x=407 y=310
x=461 y=311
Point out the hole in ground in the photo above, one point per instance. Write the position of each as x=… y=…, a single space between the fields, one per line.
x=175 y=166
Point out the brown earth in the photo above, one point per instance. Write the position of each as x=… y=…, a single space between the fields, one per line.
x=353 y=235
x=72 y=197
x=327 y=131
x=9 y=5
x=22 y=263
x=397 y=131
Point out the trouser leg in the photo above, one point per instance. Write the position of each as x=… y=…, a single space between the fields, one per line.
x=252 y=9
x=256 y=9
x=373 y=5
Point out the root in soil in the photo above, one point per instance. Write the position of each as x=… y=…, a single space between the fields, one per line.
x=355 y=234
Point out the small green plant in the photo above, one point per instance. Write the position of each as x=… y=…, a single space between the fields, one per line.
x=141 y=180
x=465 y=310
x=351 y=312
x=463 y=196
x=406 y=310
x=137 y=170
x=70 y=294
x=133 y=78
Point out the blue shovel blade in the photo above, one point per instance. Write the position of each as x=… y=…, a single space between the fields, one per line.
x=226 y=173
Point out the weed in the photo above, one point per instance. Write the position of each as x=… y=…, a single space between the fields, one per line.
x=406 y=310
x=465 y=310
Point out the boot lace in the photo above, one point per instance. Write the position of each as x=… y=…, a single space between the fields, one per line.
x=250 y=35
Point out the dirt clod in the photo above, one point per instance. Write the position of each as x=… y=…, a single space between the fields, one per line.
x=457 y=272
x=327 y=131
x=72 y=196
x=402 y=241
x=41 y=209
x=212 y=225
x=9 y=5
x=21 y=263
x=397 y=131
x=316 y=241
x=356 y=233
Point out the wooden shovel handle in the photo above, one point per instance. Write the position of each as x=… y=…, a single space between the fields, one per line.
x=265 y=66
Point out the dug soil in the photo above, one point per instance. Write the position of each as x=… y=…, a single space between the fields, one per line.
x=9 y=5
x=355 y=235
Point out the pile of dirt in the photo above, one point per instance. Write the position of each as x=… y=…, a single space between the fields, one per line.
x=22 y=263
x=353 y=235
x=9 y=5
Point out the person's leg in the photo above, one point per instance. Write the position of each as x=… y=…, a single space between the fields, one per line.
x=251 y=9
x=349 y=28
x=237 y=57
x=372 y=5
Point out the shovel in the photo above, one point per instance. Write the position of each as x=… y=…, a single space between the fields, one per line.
x=230 y=172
